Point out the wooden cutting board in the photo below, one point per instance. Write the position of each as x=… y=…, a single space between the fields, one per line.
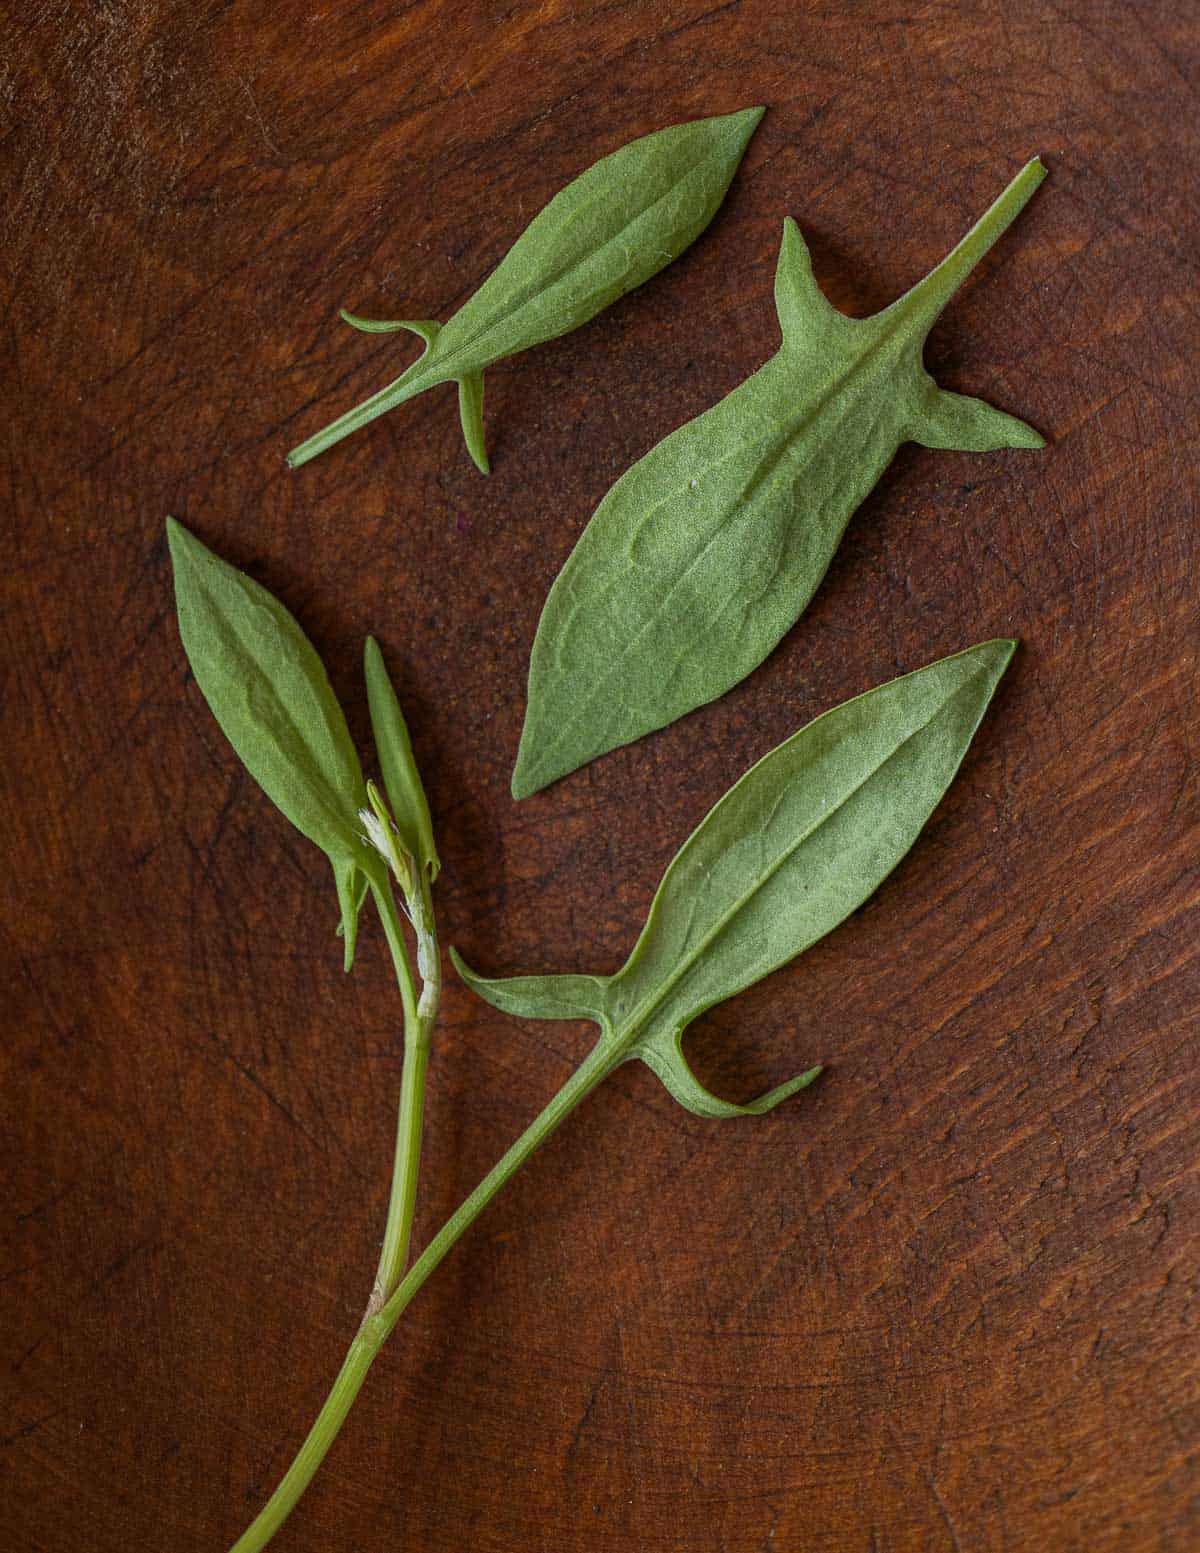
x=945 y=1300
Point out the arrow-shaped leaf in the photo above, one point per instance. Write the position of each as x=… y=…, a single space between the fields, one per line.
x=789 y=852
x=708 y=549
x=610 y=229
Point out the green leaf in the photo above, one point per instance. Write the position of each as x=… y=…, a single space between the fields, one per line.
x=707 y=550
x=791 y=850
x=401 y=779
x=427 y=329
x=615 y=226
x=268 y=690
x=541 y=997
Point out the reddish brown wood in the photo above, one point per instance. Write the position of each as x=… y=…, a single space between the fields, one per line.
x=945 y=1300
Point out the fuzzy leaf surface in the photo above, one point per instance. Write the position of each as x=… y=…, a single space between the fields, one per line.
x=610 y=229
x=801 y=841
x=268 y=690
x=709 y=548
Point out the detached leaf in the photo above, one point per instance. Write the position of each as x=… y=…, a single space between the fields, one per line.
x=268 y=690
x=708 y=549
x=791 y=850
x=401 y=779
x=609 y=230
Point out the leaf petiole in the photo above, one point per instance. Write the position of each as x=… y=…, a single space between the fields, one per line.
x=408 y=385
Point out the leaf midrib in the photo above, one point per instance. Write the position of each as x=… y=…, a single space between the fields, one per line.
x=514 y=306
x=650 y=1004
x=327 y=795
x=780 y=431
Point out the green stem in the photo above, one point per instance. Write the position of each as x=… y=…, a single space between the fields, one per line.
x=419 y=1017
x=311 y=1454
x=931 y=294
x=407 y=386
x=376 y=1327
x=592 y=1070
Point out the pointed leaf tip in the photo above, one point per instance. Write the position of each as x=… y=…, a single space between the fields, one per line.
x=470 y=413
x=427 y=328
x=401 y=778
x=182 y=543
x=664 y=1056
x=808 y=320
x=521 y=785
x=751 y=117
x=739 y=125
x=350 y=900
x=1002 y=649
x=967 y=424
x=266 y=687
x=538 y=997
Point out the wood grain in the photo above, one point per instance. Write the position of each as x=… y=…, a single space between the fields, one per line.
x=944 y=1301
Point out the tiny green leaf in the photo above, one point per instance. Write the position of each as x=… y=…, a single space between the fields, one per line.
x=401 y=779
x=541 y=997
x=707 y=550
x=268 y=690
x=791 y=850
x=612 y=228
x=380 y=830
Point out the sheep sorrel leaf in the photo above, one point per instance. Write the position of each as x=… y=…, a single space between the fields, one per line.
x=789 y=852
x=707 y=550
x=609 y=230
x=268 y=690
x=800 y=841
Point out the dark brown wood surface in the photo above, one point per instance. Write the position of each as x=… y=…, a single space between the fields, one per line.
x=944 y=1301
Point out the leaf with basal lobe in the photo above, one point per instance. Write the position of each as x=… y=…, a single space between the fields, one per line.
x=707 y=550
x=612 y=228
x=789 y=852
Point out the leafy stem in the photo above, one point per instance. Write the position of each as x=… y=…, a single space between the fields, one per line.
x=930 y=295
x=795 y=846
x=420 y=1016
